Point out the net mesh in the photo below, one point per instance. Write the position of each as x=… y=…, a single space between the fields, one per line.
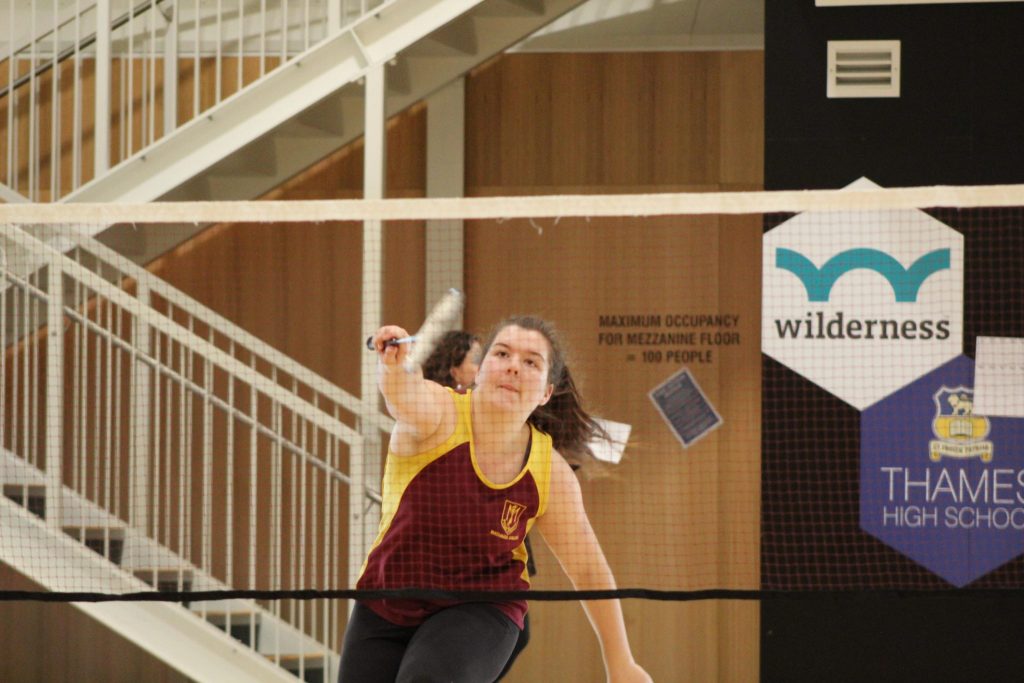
x=770 y=368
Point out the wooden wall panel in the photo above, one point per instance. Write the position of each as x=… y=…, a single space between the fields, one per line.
x=668 y=518
x=616 y=122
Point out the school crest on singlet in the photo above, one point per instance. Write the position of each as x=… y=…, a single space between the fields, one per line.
x=510 y=515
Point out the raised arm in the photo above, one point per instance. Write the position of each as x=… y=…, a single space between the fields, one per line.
x=418 y=405
x=568 y=533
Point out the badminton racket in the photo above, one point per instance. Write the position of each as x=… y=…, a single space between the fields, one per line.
x=443 y=317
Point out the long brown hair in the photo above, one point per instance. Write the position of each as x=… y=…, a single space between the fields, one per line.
x=563 y=417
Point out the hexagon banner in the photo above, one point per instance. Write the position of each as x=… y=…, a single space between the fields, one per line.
x=939 y=483
x=862 y=302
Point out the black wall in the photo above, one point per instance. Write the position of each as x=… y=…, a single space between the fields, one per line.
x=959 y=120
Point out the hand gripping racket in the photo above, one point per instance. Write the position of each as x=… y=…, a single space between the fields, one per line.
x=442 y=318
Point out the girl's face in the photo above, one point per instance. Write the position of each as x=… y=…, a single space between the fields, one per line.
x=465 y=374
x=515 y=370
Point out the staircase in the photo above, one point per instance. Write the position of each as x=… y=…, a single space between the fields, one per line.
x=148 y=444
x=309 y=106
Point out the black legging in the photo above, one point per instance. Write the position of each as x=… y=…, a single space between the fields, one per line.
x=467 y=643
x=521 y=643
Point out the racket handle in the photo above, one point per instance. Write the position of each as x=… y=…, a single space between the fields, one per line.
x=390 y=342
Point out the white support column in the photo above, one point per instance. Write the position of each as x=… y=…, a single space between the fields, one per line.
x=445 y=178
x=363 y=518
x=101 y=137
x=54 y=390
x=171 y=71
x=138 y=495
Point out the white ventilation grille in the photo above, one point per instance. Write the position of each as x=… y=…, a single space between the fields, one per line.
x=863 y=68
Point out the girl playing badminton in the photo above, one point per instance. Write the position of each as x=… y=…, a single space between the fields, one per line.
x=466 y=478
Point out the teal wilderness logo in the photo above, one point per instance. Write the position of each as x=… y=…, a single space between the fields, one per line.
x=862 y=302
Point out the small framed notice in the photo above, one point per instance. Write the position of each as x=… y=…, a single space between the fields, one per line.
x=685 y=408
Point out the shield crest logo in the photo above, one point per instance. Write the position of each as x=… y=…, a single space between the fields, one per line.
x=510 y=516
x=961 y=434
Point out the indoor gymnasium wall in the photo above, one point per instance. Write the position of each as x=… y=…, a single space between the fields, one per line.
x=548 y=124
x=551 y=124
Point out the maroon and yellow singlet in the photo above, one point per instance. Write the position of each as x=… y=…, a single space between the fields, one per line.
x=444 y=526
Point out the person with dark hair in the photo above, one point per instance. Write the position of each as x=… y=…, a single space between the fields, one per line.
x=454 y=361
x=467 y=477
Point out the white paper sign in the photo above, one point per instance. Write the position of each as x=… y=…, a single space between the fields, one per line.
x=999 y=377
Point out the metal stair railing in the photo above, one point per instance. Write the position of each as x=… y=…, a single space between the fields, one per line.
x=178 y=307
x=192 y=460
x=95 y=87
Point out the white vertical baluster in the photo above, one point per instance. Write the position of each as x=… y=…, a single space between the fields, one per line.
x=275 y=517
x=16 y=363
x=55 y=391
x=171 y=70
x=334 y=17
x=145 y=85
x=284 y=31
x=101 y=136
x=141 y=417
x=81 y=382
x=35 y=348
x=185 y=427
x=263 y=37
x=122 y=111
x=108 y=436
x=168 y=435
x=207 y=502
x=156 y=435
x=55 y=110
x=97 y=384
x=220 y=44
x=197 y=32
x=115 y=508
x=253 y=489
x=151 y=62
x=33 y=125
x=329 y=552
x=241 y=44
x=229 y=507
x=130 y=58
x=12 y=178
x=76 y=105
